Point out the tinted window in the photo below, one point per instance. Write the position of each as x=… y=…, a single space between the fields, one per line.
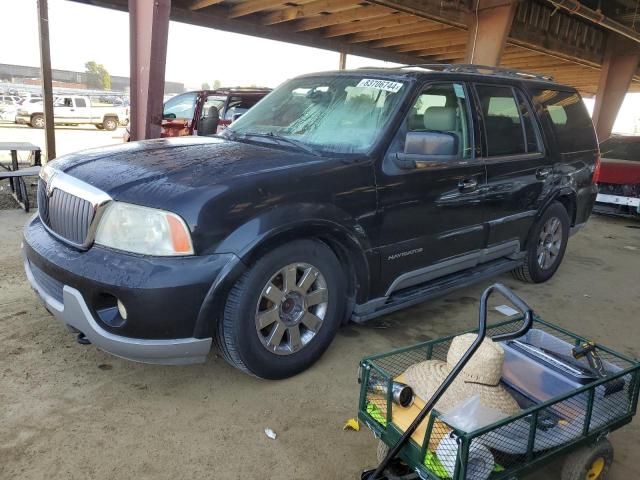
x=240 y=105
x=80 y=103
x=530 y=131
x=620 y=149
x=442 y=108
x=569 y=120
x=502 y=123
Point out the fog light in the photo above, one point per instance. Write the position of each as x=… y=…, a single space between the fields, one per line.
x=122 y=310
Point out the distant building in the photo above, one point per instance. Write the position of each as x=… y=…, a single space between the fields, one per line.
x=70 y=79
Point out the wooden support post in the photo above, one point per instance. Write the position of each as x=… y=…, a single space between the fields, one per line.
x=489 y=26
x=148 y=33
x=45 y=74
x=342 y=63
x=620 y=64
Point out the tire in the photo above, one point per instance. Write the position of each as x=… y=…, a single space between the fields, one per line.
x=546 y=245
x=99 y=126
x=37 y=121
x=110 y=124
x=589 y=463
x=291 y=338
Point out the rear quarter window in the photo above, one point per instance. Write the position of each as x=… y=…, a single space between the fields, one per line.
x=569 y=119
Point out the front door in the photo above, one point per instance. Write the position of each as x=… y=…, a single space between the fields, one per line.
x=431 y=214
x=519 y=173
x=64 y=111
x=178 y=115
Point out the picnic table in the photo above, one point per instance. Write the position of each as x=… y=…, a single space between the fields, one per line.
x=19 y=189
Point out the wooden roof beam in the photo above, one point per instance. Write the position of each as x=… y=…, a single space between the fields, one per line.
x=418 y=37
x=200 y=4
x=421 y=26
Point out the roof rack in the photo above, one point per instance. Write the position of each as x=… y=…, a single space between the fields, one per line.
x=471 y=68
x=480 y=69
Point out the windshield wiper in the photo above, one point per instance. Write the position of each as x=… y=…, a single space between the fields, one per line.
x=279 y=138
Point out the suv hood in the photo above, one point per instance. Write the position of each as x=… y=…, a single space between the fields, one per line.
x=155 y=172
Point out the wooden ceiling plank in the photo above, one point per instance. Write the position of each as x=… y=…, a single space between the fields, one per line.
x=200 y=4
x=395 y=19
x=417 y=37
x=382 y=33
x=252 y=6
x=306 y=10
x=358 y=13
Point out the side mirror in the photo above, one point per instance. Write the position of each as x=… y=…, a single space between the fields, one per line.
x=425 y=149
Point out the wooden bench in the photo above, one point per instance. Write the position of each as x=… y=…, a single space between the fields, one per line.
x=19 y=189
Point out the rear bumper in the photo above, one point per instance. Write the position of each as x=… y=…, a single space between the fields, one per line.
x=74 y=312
x=619 y=200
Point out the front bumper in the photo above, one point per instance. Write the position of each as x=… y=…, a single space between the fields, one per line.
x=74 y=312
x=164 y=296
x=22 y=119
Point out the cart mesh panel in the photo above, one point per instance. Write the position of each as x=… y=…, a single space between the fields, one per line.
x=516 y=441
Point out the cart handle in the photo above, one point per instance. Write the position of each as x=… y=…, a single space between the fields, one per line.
x=482 y=332
x=516 y=301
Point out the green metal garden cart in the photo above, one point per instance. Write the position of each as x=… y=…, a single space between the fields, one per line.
x=575 y=424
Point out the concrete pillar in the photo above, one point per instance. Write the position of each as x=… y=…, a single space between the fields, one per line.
x=45 y=74
x=620 y=64
x=148 y=34
x=489 y=26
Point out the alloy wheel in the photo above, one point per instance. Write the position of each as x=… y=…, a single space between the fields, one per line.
x=549 y=243
x=291 y=308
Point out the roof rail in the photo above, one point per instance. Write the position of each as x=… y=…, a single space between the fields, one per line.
x=480 y=69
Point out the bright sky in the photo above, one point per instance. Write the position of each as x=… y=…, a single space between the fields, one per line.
x=80 y=33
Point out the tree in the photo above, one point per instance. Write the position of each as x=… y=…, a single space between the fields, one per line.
x=205 y=86
x=216 y=84
x=97 y=76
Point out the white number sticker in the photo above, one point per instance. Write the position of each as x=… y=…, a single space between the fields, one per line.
x=380 y=84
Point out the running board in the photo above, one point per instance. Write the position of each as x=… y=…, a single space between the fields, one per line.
x=427 y=291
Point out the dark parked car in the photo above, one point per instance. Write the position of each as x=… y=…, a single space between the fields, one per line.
x=342 y=195
x=207 y=112
x=619 y=176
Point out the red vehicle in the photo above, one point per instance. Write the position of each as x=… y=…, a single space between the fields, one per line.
x=206 y=112
x=619 y=176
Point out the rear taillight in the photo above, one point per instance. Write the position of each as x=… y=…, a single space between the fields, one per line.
x=596 y=171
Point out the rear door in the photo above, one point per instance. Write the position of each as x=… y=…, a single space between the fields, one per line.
x=519 y=172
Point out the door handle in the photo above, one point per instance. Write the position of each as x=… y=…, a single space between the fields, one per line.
x=543 y=173
x=467 y=184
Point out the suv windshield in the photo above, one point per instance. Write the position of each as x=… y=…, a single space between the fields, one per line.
x=337 y=114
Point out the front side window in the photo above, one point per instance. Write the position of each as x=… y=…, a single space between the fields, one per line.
x=180 y=107
x=440 y=108
x=504 y=129
x=338 y=114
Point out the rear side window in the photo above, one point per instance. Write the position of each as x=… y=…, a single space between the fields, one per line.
x=80 y=103
x=569 y=120
x=507 y=128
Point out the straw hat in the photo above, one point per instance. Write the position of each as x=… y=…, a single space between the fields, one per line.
x=480 y=376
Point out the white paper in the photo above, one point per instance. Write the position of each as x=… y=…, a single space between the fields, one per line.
x=507 y=310
x=385 y=85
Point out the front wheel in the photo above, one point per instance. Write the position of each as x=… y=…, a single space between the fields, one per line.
x=283 y=313
x=37 y=121
x=545 y=246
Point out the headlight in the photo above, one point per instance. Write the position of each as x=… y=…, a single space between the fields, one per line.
x=143 y=230
x=46 y=172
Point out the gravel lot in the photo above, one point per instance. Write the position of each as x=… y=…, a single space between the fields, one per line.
x=72 y=412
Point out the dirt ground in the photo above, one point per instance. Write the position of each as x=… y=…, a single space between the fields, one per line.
x=72 y=412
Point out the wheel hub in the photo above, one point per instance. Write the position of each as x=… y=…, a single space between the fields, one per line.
x=292 y=308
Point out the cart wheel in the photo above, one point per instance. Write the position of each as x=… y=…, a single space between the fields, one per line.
x=589 y=463
x=382 y=451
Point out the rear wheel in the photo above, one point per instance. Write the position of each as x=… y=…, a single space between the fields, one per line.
x=110 y=124
x=283 y=313
x=546 y=245
x=589 y=463
x=37 y=121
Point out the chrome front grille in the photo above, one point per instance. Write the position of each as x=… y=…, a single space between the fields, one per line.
x=69 y=208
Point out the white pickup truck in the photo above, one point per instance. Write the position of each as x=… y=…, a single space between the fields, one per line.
x=75 y=110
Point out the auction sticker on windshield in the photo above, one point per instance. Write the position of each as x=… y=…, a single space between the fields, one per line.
x=380 y=84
